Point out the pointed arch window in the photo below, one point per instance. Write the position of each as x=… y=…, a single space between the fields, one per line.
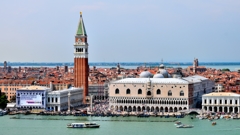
x=117 y=91
x=158 y=92
x=181 y=93
x=128 y=91
x=169 y=93
x=139 y=91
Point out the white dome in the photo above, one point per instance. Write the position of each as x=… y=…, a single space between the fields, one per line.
x=164 y=72
x=158 y=75
x=161 y=66
x=145 y=74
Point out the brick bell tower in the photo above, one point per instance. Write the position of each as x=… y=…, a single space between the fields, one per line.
x=81 y=59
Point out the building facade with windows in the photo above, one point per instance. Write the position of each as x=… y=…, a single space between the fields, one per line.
x=226 y=102
x=201 y=86
x=31 y=97
x=153 y=94
x=150 y=94
x=44 y=98
x=10 y=88
x=60 y=100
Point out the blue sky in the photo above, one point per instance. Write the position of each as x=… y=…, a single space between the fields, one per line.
x=121 y=31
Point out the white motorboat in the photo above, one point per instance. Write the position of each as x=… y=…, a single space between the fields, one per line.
x=83 y=125
x=184 y=126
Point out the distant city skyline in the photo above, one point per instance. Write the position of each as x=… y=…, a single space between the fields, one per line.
x=121 y=31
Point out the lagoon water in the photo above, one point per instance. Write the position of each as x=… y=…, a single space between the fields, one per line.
x=56 y=125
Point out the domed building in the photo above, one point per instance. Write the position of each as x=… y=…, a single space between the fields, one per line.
x=158 y=75
x=145 y=74
x=163 y=71
x=157 y=95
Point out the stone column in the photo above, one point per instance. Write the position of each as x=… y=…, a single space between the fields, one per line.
x=69 y=102
x=91 y=102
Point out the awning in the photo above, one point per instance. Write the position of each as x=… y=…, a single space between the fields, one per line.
x=11 y=105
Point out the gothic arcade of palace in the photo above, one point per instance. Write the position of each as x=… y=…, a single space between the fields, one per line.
x=158 y=94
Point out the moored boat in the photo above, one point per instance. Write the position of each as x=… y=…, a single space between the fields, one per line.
x=83 y=125
x=1 y=113
x=214 y=123
x=178 y=123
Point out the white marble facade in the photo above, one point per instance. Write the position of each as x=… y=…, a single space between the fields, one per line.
x=221 y=102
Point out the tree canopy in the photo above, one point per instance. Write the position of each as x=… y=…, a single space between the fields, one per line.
x=225 y=69
x=13 y=99
x=3 y=101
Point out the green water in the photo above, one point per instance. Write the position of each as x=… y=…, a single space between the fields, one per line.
x=56 y=125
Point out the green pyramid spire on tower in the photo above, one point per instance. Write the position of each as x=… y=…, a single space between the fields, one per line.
x=81 y=28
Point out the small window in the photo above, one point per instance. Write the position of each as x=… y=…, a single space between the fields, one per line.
x=149 y=93
x=128 y=91
x=117 y=91
x=181 y=93
x=158 y=92
x=139 y=91
x=169 y=93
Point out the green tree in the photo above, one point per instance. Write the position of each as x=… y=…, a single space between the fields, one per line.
x=225 y=69
x=13 y=99
x=3 y=101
